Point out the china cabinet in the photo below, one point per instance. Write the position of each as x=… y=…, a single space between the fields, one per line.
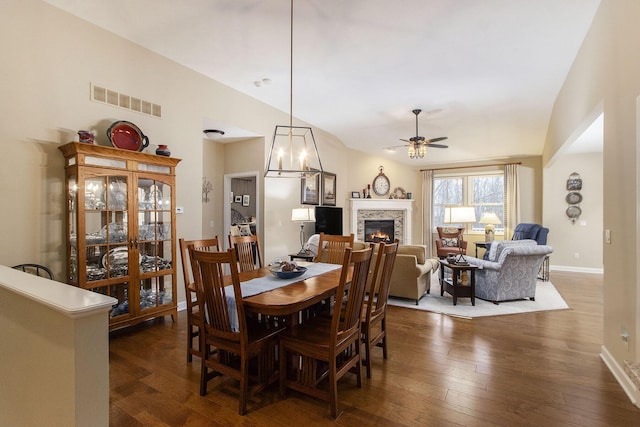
x=120 y=225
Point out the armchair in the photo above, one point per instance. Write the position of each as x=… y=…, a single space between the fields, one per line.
x=511 y=270
x=531 y=231
x=449 y=241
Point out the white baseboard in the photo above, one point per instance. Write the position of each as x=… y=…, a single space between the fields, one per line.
x=182 y=305
x=576 y=269
x=621 y=376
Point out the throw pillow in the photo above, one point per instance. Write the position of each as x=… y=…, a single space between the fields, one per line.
x=450 y=242
x=245 y=230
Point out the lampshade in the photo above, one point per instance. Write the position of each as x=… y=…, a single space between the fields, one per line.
x=303 y=214
x=489 y=218
x=459 y=215
x=294 y=152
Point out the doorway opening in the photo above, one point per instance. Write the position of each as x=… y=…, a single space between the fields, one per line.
x=242 y=201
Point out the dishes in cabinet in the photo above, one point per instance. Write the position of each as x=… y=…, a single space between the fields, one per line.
x=117 y=195
x=154 y=231
x=116 y=257
x=114 y=232
x=127 y=136
x=153 y=263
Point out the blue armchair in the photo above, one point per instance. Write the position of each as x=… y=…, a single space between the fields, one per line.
x=531 y=231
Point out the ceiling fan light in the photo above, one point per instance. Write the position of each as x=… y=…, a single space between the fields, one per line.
x=422 y=150
x=412 y=151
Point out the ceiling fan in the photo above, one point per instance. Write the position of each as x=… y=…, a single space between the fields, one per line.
x=418 y=144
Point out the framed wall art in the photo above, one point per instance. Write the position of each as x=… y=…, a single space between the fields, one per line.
x=246 y=198
x=310 y=190
x=328 y=189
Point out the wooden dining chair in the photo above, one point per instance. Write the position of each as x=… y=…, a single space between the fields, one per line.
x=331 y=248
x=326 y=348
x=194 y=319
x=235 y=348
x=248 y=251
x=374 y=310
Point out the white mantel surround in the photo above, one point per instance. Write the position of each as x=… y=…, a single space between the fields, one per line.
x=362 y=205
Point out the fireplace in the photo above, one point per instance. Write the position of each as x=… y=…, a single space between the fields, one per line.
x=398 y=210
x=379 y=230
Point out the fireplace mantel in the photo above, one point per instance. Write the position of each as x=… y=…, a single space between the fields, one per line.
x=404 y=205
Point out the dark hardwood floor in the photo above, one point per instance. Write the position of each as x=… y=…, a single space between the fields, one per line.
x=535 y=369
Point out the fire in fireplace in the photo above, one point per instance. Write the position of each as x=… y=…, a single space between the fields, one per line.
x=379 y=230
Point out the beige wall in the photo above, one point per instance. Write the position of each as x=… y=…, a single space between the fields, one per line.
x=363 y=168
x=212 y=211
x=607 y=72
x=577 y=246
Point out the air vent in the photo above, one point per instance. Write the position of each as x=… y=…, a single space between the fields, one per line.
x=117 y=99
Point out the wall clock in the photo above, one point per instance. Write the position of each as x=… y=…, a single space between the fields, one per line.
x=381 y=184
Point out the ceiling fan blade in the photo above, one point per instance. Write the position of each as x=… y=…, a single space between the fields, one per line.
x=437 y=146
x=441 y=138
x=405 y=140
x=396 y=146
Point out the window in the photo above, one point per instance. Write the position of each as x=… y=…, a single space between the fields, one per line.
x=485 y=192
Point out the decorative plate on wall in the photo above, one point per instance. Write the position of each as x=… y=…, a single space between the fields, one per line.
x=573 y=198
x=573 y=212
x=574 y=182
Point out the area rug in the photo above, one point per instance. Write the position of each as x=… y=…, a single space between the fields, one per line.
x=547 y=298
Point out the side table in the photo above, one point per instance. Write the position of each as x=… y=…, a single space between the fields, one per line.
x=454 y=286
x=304 y=257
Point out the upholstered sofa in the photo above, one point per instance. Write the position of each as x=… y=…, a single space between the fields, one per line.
x=411 y=277
x=510 y=271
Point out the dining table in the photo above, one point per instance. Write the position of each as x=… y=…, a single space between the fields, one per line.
x=265 y=294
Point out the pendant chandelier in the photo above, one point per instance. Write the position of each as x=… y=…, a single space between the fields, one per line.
x=293 y=152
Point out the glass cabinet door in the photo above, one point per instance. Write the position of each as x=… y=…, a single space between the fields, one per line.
x=108 y=245
x=154 y=226
x=72 y=228
x=106 y=227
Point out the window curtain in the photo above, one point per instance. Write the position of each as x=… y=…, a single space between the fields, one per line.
x=511 y=199
x=427 y=206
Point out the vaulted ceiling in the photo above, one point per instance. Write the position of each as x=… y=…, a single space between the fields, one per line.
x=485 y=73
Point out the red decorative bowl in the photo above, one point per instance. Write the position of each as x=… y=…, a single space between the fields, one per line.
x=127 y=136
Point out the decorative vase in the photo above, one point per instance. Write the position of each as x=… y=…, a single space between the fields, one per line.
x=86 y=136
x=163 y=150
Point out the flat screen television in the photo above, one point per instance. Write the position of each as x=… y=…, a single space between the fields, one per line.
x=329 y=220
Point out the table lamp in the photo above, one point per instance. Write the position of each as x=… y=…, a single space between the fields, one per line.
x=460 y=215
x=303 y=215
x=490 y=219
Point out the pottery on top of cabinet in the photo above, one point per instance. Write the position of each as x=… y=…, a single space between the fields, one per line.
x=127 y=136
